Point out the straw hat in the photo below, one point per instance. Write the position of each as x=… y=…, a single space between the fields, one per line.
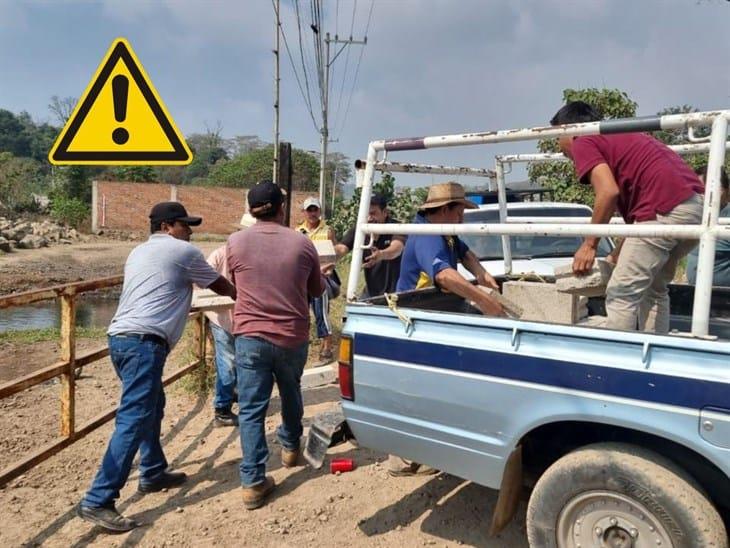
x=446 y=193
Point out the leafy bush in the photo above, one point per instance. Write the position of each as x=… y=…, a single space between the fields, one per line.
x=402 y=205
x=71 y=211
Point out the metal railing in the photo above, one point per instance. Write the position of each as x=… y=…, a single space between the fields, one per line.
x=70 y=363
x=707 y=231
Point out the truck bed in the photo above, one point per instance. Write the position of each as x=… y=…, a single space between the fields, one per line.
x=681 y=300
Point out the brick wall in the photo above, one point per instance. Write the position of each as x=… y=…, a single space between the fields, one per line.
x=125 y=206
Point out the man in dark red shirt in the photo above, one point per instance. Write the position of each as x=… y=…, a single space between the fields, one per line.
x=646 y=182
x=275 y=270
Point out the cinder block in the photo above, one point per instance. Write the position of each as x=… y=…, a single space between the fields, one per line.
x=543 y=302
x=591 y=285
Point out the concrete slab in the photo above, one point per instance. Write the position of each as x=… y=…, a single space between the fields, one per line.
x=319 y=376
x=591 y=285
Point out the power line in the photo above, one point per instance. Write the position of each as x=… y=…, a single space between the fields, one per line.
x=357 y=70
x=296 y=74
x=338 y=110
x=308 y=98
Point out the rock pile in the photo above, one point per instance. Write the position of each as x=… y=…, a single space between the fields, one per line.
x=24 y=234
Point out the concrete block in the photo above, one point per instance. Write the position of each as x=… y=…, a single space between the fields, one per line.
x=326 y=251
x=319 y=376
x=591 y=285
x=544 y=303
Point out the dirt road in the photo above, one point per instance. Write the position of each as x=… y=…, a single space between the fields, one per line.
x=33 y=268
x=361 y=508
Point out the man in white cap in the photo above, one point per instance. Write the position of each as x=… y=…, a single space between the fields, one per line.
x=221 y=327
x=316 y=229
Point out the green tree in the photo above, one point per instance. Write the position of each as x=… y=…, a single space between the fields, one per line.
x=19 y=179
x=559 y=177
x=13 y=135
x=137 y=174
x=680 y=136
x=256 y=165
x=402 y=204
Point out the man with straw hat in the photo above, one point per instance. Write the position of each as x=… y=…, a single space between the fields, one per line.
x=430 y=260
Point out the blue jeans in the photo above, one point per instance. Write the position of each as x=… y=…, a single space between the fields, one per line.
x=321 y=308
x=225 y=369
x=138 y=365
x=259 y=364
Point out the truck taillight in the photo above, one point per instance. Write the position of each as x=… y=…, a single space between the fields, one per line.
x=346 y=373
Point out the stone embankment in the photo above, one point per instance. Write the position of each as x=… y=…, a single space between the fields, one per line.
x=25 y=234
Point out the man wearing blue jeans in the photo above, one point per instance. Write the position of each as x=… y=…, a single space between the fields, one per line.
x=150 y=319
x=220 y=322
x=271 y=326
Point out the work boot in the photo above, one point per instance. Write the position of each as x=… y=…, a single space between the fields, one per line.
x=106 y=517
x=163 y=481
x=289 y=457
x=225 y=417
x=255 y=496
x=398 y=467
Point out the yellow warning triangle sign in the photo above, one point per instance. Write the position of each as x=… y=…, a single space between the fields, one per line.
x=120 y=119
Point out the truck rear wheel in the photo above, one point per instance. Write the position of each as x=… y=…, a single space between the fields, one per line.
x=618 y=495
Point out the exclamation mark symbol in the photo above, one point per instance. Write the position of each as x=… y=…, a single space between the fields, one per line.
x=120 y=91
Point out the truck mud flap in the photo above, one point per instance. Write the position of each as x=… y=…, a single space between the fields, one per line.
x=328 y=429
x=509 y=492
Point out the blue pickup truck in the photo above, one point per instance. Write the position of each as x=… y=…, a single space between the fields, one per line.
x=624 y=437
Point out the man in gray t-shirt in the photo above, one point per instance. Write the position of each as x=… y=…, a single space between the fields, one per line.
x=150 y=319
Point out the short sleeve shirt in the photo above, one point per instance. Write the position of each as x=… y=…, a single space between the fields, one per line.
x=383 y=277
x=425 y=256
x=652 y=178
x=222 y=318
x=158 y=287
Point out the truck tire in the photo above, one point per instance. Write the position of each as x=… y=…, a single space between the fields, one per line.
x=620 y=496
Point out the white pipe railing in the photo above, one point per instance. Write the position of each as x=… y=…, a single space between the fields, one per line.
x=642 y=230
x=710 y=214
x=509 y=159
x=707 y=232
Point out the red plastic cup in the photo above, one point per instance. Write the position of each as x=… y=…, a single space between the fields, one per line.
x=341 y=465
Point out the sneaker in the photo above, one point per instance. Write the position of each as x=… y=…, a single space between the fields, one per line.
x=106 y=517
x=225 y=417
x=255 y=496
x=163 y=481
x=289 y=457
x=398 y=467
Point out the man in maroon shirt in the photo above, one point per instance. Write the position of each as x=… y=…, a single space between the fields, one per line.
x=646 y=182
x=275 y=270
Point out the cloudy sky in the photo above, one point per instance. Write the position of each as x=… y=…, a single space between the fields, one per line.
x=430 y=66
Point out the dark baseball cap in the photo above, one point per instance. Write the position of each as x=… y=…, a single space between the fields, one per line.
x=172 y=211
x=264 y=196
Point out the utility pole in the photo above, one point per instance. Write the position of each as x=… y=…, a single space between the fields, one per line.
x=275 y=170
x=325 y=101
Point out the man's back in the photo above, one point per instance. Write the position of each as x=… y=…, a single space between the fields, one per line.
x=651 y=177
x=158 y=278
x=275 y=270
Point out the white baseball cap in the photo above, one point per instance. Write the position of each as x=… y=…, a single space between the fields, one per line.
x=311 y=201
